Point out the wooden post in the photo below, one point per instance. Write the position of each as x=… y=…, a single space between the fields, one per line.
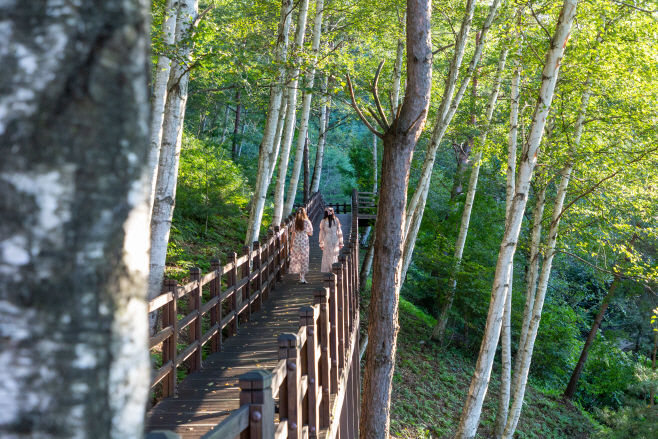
x=266 y=272
x=232 y=280
x=256 y=391
x=258 y=280
x=321 y=297
x=308 y=318
x=286 y=249
x=340 y=312
x=195 y=326
x=277 y=253
x=330 y=282
x=344 y=263
x=216 y=311
x=246 y=273
x=169 y=348
x=289 y=347
x=271 y=242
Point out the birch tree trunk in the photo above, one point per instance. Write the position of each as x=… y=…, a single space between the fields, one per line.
x=399 y=143
x=306 y=111
x=277 y=139
x=506 y=337
x=291 y=112
x=322 y=136
x=162 y=70
x=307 y=172
x=447 y=110
x=236 y=125
x=172 y=132
x=267 y=143
x=439 y=330
x=529 y=337
x=470 y=417
x=397 y=71
x=74 y=136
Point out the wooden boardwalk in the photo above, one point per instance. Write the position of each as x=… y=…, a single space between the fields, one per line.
x=206 y=398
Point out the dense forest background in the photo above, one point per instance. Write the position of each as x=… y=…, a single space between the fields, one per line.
x=608 y=233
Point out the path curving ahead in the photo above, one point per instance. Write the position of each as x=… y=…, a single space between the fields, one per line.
x=206 y=398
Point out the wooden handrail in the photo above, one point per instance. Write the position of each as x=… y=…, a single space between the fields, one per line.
x=318 y=365
x=250 y=278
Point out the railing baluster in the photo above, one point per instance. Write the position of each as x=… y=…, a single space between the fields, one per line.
x=195 y=326
x=277 y=253
x=215 y=311
x=169 y=352
x=246 y=290
x=340 y=312
x=256 y=390
x=258 y=280
x=271 y=254
x=321 y=297
x=330 y=282
x=232 y=280
x=308 y=319
x=289 y=348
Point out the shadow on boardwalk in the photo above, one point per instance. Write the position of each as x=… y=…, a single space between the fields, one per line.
x=205 y=398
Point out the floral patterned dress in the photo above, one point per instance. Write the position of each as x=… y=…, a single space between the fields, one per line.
x=331 y=239
x=299 y=249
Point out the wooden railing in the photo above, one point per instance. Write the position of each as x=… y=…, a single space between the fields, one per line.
x=317 y=379
x=249 y=280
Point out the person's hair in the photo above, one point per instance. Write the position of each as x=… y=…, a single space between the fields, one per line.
x=330 y=218
x=300 y=218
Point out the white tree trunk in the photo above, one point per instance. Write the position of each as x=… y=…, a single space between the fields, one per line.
x=291 y=112
x=269 y=134
x=74 y=119
x=533 y=327
x=322 y=136
x=306 y=111
x=447 y=109
x=397 y=71
x=277 y=137
x=159 y=99
x=470 y=417
x=439 y=330
x=531 y=281
x=506 y=336
x=172 y=132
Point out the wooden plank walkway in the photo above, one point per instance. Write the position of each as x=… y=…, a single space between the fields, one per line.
x=205 y=398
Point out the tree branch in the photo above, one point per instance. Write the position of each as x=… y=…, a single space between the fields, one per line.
x=375 y=94
x=358 y=110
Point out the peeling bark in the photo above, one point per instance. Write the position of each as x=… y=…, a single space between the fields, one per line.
x=74 y=136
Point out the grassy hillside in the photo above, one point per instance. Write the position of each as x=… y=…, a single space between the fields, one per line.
x=430 y=387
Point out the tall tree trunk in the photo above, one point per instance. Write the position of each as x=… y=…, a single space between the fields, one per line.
x=573 y=382
x=73 y=208
x=244 y=126
x=652 y=392
x=399 y=143
x=533 y=327
x=397 y=70
x=439 y=330
x=307 y=172
x=228 y=109
x=172 y=132
x=236 y=124
x=531 y=278
x=159 y=98
x=279 y=132
x=306 y=110
x=367 y=260
x=447 y=110
x=267 y=143
x=470 y=417
x=322 y=135
x=291 y=112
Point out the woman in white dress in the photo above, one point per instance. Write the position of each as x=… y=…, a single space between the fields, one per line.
x=301 y=230
x=331 y=239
